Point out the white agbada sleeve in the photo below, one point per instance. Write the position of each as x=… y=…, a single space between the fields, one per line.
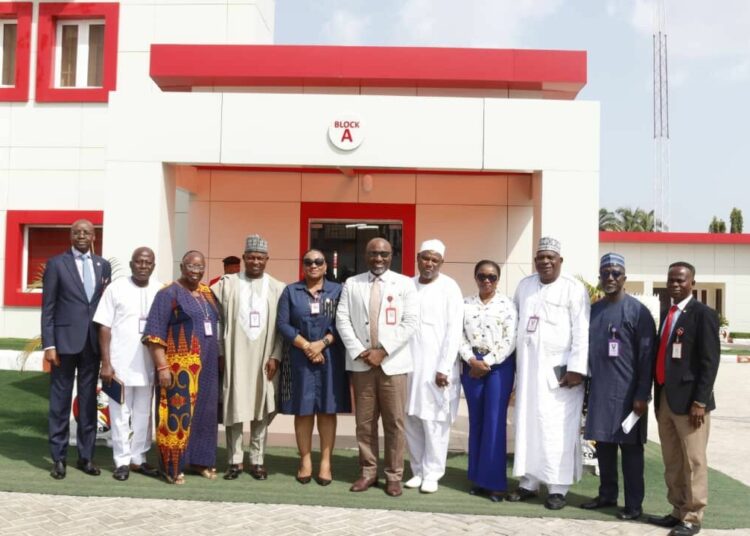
x=105 y=311
x=454 y=329
x=580 y=311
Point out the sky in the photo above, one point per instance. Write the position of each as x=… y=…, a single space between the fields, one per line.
x=709 y=79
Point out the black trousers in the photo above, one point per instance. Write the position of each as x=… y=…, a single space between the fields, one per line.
x=86 y=364
x=632 y=472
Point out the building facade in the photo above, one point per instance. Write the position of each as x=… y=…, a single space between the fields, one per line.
x=178 y=125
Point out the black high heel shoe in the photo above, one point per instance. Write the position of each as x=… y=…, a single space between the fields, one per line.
x=323 y=481
x=303 y=479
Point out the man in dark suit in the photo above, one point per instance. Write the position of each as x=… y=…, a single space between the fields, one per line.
x=686 y=365
x=73 y=284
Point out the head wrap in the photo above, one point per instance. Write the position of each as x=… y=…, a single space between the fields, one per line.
x=611 y=258
x=433 y=245
x=547 y=243
x=256 y=243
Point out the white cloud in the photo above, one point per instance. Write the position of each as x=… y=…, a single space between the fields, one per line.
x=477 y=23
x=739 y=72
x=345 y=28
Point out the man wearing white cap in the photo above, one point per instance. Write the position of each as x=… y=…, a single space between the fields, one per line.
x=552 y=359
x=252 y=350
x=434 y=386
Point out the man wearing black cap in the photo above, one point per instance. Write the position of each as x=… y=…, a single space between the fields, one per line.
x=231 y=266
x=622 y=346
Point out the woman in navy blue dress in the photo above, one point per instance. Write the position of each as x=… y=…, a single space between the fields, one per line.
x=314 y=381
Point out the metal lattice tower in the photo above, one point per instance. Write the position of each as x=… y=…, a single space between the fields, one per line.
x=661 y=121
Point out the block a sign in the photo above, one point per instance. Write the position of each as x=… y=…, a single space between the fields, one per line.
x=346 y=132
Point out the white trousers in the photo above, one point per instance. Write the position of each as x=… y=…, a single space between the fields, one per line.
x=428 y=446
x=532 y=483
x=258 y=440
x=130 y=424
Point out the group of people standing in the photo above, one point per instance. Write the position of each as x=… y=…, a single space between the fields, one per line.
x=249 y=346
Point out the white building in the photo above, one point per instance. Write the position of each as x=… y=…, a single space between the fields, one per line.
x=176 y=125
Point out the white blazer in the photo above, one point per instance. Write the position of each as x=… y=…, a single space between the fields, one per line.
x=352 y=321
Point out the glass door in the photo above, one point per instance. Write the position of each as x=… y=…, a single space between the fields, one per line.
x=344 y=241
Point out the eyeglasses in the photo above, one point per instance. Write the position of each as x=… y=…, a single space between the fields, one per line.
x=616 y=274
x=195 y=267
x=320 y=261
x=487 y=277
x=381 y=254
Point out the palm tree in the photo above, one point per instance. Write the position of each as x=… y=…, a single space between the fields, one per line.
x=636 y=220
x=608 y=221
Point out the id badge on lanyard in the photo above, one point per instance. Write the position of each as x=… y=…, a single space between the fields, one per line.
x=141 y=325
x=532 y=324
x=315 y=308
x=254 y=319
x=613 y=346
x=208 y=329
x=390 y=313
x=677 y=350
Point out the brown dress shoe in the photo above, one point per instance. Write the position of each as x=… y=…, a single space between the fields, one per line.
x=258 y=472
x=393 y=488
x=363 y=484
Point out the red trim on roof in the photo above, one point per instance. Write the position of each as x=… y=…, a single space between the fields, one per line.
x=674 y=238
x=356 y=170
x=180 y=67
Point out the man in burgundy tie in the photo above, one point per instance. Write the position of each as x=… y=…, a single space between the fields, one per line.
x=686 y=365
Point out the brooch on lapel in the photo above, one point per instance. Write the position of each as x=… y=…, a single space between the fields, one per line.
x=679 y=332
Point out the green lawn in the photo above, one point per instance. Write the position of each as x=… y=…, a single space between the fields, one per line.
x=25 y=463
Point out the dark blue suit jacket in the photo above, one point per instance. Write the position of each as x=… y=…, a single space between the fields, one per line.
x=692 y=377
x=66 y=312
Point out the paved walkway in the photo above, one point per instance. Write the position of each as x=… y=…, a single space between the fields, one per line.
x=33 y=514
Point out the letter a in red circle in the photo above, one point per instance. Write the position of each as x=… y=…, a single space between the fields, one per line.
x=347 y=135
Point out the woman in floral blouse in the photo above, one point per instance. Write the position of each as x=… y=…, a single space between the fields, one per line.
x=490 y=322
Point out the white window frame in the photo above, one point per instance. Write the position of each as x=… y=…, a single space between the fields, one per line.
x=3 y=22
x=82 y=51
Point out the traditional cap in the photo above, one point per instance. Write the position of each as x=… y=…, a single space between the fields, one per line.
x=547 y=243
x=256 y=243
x=231 y=260
x=612 y=258
x=433 y=245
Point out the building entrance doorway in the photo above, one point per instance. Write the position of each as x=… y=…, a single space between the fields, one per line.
x=341 y=231
x=344 y=243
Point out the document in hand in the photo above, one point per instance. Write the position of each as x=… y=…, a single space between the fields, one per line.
x=115 y=390
x=629 y=422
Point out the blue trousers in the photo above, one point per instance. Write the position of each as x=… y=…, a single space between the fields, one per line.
x=60 y=399
x=487 y=399
x=632 y=472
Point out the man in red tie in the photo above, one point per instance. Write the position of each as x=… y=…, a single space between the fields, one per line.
x=686 y=365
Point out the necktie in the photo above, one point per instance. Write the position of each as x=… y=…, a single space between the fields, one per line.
x=663 y=342
x=375 y=299
x=88 y=277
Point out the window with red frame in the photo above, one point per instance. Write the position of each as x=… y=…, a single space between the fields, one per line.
x=42 y=242
x=15 y=38
x=77 y=53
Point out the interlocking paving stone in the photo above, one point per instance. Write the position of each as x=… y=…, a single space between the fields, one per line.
x=34 y=514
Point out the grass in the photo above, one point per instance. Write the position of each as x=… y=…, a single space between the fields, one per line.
x=11 y=343
x=25 y=463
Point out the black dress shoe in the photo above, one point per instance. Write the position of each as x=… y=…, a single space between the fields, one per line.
x=555 y=501
x=627 y=514
x=145 y=469
x=258 y=472
x=58 y=470
x=233 y=472
x=667 y=521
x=495 y=496
x=323 y=481
x=476 y=490
x=520 y=494
x=121 y=473
x=88 y=467
x=598 y=502
x=685 y=528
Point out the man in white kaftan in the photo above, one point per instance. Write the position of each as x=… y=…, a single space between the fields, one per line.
x=434 y=385
x=252 y=351
x=122 y=314
x=552 y=359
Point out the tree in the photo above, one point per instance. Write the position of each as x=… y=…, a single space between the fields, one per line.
x=717 y=226
x=735 y=221
x=635 y=220
x=608 y=221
